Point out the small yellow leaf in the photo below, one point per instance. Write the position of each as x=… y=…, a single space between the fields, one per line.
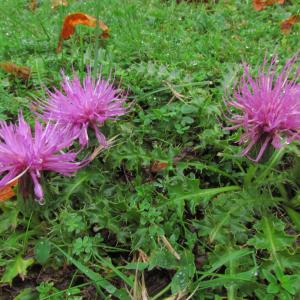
x=57 y=3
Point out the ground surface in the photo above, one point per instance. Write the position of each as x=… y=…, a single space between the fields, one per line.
x=171 y=208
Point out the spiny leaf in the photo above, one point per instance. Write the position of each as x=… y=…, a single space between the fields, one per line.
x=17 y=267
x=225 y=218
x=224 y=259
x=9 y=219
x=294 y=216
x=271 y=236
x=191 y=191
x=220 y=222
x=79 y=180
x=99 y=281
x=243 y=277
x=107 y=263
x=163 y=259
x=26 y=294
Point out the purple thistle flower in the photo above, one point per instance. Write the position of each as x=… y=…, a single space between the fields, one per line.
x=268 y=107
x=21 y=152
x=81 y=106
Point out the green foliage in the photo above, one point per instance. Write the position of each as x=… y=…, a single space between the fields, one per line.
x=42 y=251
x=233 y=224
x=18 y=266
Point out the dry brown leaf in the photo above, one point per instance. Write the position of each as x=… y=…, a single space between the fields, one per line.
x=169 y=246
x=198 y=1
x=72 y=20
x=18 y=71
x=7 y=191
x=262 y=4
x=57 y=3
x=33 y=5
x=157 y=166
x=178 y=296
x=286 y=25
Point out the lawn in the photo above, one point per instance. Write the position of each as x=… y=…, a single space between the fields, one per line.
x=170 y=209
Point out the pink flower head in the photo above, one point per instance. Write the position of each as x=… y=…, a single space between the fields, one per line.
x=21 y=152
x=268 y=107
x=84 y=105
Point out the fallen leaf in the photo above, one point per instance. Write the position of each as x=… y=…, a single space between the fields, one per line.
x=286 y=25
x=18 y=71
x=72 y=20
x=7 y=191
x=105 y=35
x=157 y=166
x=169 y=246
x=33 y=5
x=262 y=4
x=9 y=217
x=57 y=3
x=197 y=1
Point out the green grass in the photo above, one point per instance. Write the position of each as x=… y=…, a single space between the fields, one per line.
x=235 y=225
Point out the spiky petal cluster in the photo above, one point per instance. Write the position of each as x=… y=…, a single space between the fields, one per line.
x=22 y=152
x=84 y=105
x=268 y=107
